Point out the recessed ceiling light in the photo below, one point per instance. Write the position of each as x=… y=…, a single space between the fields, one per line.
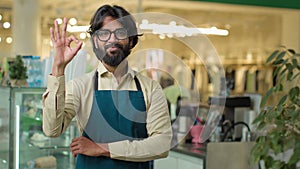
x=6 y=25
x=59 y=20
x=9 y=40
x=73 y=21
x=82 y=35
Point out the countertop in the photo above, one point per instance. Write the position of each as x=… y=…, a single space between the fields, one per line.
x=192 y=149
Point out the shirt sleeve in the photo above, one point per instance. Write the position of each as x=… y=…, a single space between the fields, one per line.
x=157 y=145
x=58 y=106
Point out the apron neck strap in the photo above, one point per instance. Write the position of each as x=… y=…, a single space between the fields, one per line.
x=136 y=80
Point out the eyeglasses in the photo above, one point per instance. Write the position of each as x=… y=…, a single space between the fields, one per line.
x=105 y=34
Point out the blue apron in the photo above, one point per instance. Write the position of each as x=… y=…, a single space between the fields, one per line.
x=115 y=115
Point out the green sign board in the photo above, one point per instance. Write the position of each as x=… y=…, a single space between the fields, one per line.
x=292 y=4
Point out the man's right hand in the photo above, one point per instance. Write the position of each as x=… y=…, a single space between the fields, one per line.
x=62 y=46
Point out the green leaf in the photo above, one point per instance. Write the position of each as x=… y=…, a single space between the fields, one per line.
x=266 y=97
x=295 y=91
x=272 y=56
x=277 y=164
x=280 y=56
x=282 y=100
x=259 y=118
x=292 y=51
x=261 y=125
x=296 y=76
x=296 y=114
x=282 y=73
x=297 y=102
x=278 y=68
x=290 y=71
x=256 y=152
x=295 y=158
x=295 y=63
x=277 y=62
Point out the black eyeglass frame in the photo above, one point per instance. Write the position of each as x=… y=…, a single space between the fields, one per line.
x=111 y=32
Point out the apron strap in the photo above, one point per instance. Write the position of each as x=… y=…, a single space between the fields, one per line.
x=96 y=81
x=137 y=82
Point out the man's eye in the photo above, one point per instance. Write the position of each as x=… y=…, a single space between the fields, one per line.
x=104 y=33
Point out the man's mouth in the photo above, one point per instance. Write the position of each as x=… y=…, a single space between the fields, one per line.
x=113 y=48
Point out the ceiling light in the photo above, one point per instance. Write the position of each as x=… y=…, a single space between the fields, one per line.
x=0 y=39
x=0 y=17
x=182 y=30
x=73 y=21
x=6 y=25
x=82 y=35
x=9 y=40
x=59 y=20
x=162 y=36
x=77 y=28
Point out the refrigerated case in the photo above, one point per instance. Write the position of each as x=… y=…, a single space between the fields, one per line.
x=23 y=140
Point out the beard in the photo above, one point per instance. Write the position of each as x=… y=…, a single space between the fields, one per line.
x=113 y=58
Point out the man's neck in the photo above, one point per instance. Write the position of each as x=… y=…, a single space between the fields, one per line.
x=117 y=71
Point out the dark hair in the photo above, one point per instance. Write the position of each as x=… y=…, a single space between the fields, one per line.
x=116 y=12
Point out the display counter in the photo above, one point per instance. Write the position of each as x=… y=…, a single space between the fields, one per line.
x=184 y=156
x=22 y=140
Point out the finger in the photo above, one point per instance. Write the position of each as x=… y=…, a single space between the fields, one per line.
x=70 y=39
x=74 y=147
x=64 y=28
x=74 y=153
x=75 y=139
x=77 y=47
x=52 y=34
x=57 y=34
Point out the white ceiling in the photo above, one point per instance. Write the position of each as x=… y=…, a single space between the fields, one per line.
x=247 y=24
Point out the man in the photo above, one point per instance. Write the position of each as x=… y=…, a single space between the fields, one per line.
x=123 y=115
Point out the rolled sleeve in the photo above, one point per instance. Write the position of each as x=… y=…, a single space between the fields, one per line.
x=54 y=121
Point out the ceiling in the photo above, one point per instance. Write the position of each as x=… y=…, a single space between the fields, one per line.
x=84 y=9
x=246 y=23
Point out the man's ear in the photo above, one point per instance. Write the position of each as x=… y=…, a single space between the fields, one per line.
x=131 y=43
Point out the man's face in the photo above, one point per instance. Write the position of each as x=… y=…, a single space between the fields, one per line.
x=115 y=48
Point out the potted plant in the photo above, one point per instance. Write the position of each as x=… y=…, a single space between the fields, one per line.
x=278 y=145
x=17 y=72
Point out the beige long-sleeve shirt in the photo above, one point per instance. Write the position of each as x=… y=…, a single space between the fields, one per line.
x=62 y=103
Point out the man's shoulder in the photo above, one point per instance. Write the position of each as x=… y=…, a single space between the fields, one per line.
x=83 y=80
x=147 y=81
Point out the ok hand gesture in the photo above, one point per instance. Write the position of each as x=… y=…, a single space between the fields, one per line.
x=62 y=46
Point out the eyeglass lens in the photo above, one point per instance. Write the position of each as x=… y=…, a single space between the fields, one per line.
x=105 y=34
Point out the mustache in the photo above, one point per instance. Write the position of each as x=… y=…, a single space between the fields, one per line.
x=113 y=45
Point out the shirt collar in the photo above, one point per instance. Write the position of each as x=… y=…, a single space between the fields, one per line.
x=123 y=67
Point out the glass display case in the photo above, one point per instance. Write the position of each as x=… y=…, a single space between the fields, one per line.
x=4 y=127
x=25 y=145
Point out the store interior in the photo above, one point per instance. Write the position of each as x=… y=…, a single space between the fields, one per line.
x=195 y=61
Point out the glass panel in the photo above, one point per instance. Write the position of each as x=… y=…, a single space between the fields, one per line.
x=31 y=143
x=4 y=127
